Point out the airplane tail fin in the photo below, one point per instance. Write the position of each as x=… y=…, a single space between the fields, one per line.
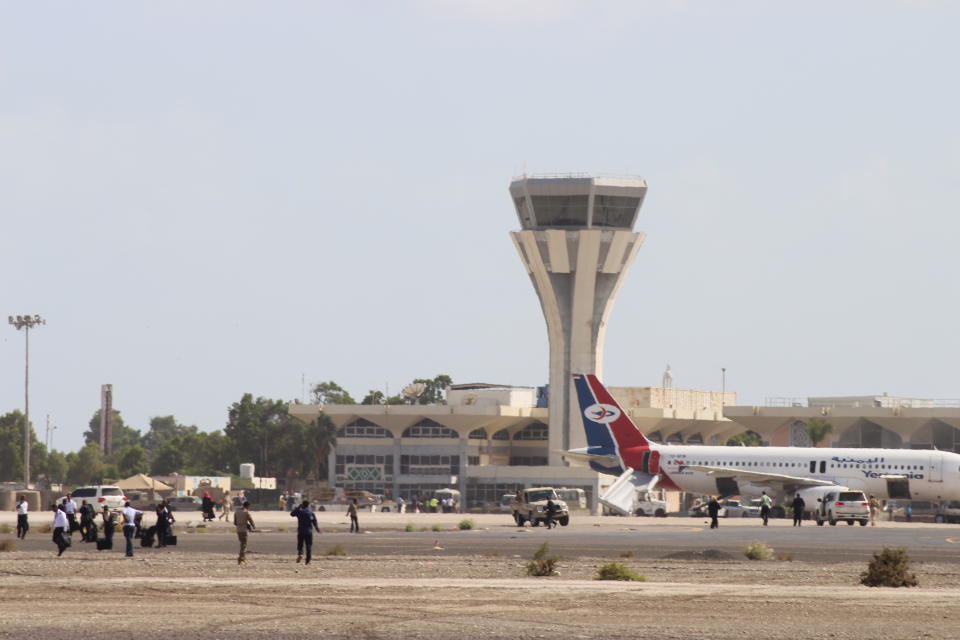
x=607 y=426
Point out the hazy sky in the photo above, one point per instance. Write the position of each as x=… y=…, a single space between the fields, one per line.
x=212 y=198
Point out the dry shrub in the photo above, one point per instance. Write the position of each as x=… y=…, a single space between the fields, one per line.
x=785 y=556
x=467 y=524
x=758 y=551
x=618 y=571
x=626 y=554
x=8 y=544
x=5 y=528
x=410 y=527
x=335 y=550
x=543 y=564
x=889 y=568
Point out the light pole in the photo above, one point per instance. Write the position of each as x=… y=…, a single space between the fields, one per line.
x=26 y=323
x=723 y=392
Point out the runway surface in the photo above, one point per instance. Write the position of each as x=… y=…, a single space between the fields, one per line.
x=644 y=537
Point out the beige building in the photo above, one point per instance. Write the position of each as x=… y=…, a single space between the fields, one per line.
x=489 y=439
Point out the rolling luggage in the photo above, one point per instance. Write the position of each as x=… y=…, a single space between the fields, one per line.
x=148 y=535
x=170 y=541
x=104 y=544
x=91 y=535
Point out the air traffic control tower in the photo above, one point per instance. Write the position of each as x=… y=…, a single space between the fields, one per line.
x=577 y=242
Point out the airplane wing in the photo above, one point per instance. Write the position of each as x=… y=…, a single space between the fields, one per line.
x=583 y=456
x=758 y=477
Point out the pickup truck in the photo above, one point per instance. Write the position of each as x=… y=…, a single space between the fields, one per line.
x=530 y=505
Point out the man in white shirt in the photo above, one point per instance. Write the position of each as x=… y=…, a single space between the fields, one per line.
x=130 y=525
x=70 y=508
x=22 y=524
x=61 y=528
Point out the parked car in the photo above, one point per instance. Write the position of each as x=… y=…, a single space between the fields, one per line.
x=99 y=495
x=185 y=503
x=740 y=509
x=851 y=506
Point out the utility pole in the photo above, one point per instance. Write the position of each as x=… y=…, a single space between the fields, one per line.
x=26 y=323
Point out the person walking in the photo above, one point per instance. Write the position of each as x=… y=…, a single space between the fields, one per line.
x=243 y=520
x=352 y=512
x=552 y=510
x=226 y=508
x=765 y=504
x=207 y=506
x=713 y=508
x=305 y=521
x=163 y=525
x=109 y=524
x=130 y=516
x=874 y=510
x=70 y=508
x=61 y=528
x=399 y=504
x=23 y=525
x=87 y=515
x=798 y=504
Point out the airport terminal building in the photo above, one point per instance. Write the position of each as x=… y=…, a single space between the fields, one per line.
x=576 y=243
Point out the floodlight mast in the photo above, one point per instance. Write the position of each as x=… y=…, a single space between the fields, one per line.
x=26 y=323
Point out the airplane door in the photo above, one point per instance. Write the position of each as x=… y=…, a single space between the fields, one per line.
x=935 y=471
x=898 y=488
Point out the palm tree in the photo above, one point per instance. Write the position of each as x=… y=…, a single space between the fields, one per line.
x=321 y=438
x=818 y=430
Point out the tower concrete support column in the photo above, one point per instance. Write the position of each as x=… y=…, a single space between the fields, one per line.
x=577 y=245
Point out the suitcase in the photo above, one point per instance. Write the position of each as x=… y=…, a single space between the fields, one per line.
x=146 y=540
x=104 y=544
x=170 y=541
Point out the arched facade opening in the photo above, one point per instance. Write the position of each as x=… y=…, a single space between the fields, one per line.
x=868 y=435
x=428 y=428
x=533 y=431
x=361 y=428
x=936 y=435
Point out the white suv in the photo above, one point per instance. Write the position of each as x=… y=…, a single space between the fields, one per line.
x=100 y=495
x=851 y=506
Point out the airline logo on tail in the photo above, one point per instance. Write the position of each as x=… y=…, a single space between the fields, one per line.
x=602 y=413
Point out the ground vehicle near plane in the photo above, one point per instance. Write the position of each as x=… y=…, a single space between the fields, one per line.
x=848 y=506
x=506 y=503
x=616 y=447
x=739 y=509
x=530 y=505
x=948 y=512
x=575 y=498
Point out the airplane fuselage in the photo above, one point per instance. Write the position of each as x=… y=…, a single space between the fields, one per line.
x=908 y=474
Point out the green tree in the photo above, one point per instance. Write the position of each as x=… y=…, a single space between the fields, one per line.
x=56 y=470
x=86 y=466
x=331 y=393
x=321 y=437
x=11 y=449
x=167 y=460
x=435 y=391
x=748 y=438
x=11 y=446
x=817 y=430
x=373 y=397
x=258 y=427
x=163 y=429
x=123 y=436
x=131 y=460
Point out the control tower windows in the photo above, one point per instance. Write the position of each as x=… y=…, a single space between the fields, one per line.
x=560 y=211
x=614 y=211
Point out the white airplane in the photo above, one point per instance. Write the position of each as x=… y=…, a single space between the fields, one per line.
x=617 y=447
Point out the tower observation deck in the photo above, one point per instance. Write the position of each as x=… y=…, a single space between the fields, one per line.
x=576 y=242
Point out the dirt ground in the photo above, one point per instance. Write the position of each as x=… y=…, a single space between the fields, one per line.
x=208 y=596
